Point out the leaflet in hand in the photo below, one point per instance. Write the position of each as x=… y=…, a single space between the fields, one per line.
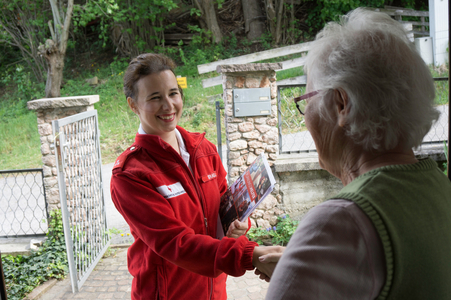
x=246 y=193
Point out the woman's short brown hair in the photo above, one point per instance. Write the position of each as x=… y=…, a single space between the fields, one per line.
x=143 y=65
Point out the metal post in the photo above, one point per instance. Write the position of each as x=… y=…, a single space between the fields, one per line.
x=45 y=198
x=218 y=128
x=279 y=109
x=2 y=281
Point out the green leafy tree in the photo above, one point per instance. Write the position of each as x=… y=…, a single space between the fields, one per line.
x=26 y=24
x=133 y=26
x=23 y=26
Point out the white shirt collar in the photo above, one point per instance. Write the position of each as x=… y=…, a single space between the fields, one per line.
x=183 y=153
x=141 y=130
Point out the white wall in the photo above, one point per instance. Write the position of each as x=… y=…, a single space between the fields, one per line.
x=438 y=20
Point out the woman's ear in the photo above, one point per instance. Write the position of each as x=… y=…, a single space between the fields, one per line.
x=342 y=106
x=132 y=105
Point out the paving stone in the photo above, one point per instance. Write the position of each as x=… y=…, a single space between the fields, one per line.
x=119 y=295
x=82 y=295
x=106 y=296
x=102 y=289
x=254 y=289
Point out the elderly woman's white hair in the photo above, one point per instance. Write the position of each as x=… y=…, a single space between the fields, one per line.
x=390 y=88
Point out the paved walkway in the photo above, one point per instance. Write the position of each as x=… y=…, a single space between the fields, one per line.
x=111 y=280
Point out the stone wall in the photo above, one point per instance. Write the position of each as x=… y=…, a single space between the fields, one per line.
x=303 y=184
x=48 y=110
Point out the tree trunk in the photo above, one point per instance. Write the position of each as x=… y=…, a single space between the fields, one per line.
x=55 y=63
x=271 y=13
x=202 y=22
x=253 y=18
x=54 y=50
x=292 y=21
x=54 y=75
x=208 y=12
x=279 y=21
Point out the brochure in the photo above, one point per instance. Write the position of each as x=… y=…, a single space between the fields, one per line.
x=246 y=193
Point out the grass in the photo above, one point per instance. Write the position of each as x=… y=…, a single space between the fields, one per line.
x=20 y=146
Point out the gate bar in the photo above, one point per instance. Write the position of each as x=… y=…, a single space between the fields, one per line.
x=59 y=142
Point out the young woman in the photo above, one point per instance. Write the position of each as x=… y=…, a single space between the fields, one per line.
x=167 y=186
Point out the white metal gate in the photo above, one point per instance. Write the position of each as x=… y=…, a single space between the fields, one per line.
x=79 y=164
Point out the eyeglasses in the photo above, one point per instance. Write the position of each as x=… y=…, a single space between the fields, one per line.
x=301 y=106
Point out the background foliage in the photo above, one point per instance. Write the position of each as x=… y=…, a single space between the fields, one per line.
x=105 y=34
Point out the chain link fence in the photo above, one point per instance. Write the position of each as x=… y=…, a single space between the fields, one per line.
x=295 y=138
x=23 y=207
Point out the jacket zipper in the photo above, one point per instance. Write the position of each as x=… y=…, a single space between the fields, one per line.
x=196 y=186
x=202 y=203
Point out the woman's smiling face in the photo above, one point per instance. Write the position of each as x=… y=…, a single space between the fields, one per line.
x=159 y=103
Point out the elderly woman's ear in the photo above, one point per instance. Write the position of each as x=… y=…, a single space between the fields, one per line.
x=342 y=106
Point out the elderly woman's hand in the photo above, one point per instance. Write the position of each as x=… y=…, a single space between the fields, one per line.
x=237 y=229
x=265 y=260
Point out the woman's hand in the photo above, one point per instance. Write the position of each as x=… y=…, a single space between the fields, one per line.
x=265 y=260
x=237 y=229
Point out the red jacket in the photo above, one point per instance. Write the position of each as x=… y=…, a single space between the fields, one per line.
x=172 y=213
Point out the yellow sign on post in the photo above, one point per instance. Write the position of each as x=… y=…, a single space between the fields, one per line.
x=182 y=82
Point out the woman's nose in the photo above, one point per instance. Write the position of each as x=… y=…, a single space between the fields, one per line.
x=167 y=103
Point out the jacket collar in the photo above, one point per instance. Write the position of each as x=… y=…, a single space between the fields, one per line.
x=153 y=143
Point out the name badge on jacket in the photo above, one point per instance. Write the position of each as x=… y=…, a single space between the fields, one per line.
x=171 y=191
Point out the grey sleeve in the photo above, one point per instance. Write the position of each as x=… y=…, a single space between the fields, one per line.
x=335 y=253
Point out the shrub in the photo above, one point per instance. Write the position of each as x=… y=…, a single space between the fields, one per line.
x=25 y=272
x=278 y=235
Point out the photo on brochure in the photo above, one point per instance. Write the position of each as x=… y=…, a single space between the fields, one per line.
x=246 y=193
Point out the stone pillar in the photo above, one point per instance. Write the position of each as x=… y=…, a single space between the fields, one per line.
x=48 y=110
x=247 y=137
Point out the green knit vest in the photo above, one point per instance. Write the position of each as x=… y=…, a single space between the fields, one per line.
x=410 y=207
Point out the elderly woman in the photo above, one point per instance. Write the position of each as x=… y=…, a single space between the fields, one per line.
x=387 y=234
x=167 y=186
